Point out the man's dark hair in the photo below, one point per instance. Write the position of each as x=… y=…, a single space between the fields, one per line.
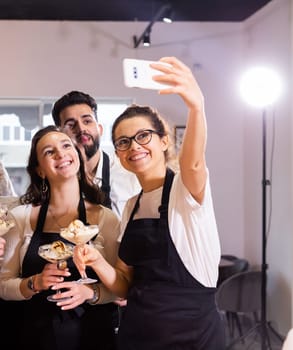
x=70 y=99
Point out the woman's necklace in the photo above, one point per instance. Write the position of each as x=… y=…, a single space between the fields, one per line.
x=60 y=217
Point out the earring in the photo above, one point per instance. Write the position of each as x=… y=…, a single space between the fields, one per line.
x=44 y=187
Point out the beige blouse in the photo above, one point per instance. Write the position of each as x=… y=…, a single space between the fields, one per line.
x=18 y=240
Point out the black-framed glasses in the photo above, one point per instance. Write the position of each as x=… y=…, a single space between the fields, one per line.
x=142 y=137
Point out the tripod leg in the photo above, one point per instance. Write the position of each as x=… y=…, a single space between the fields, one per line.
x=243 y=337
x=267 y=337
x=272 y=329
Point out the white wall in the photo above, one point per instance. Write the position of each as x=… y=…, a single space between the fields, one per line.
x=52 y=58
x=268 y=41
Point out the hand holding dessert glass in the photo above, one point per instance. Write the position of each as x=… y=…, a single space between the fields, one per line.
x=56 y=252
x=80 y=234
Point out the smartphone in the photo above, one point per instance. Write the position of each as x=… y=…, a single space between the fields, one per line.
x=138 y=73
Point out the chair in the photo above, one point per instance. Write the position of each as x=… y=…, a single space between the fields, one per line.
x=230 y=265
x=238 y=265
x=241 y=293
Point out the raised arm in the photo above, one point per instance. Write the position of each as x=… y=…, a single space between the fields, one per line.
x=192 y=153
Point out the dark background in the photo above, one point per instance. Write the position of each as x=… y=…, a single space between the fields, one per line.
x=128 y=10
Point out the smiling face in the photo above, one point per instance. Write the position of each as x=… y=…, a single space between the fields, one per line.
x=57 y=156
x=79 y=122
x=141 y=159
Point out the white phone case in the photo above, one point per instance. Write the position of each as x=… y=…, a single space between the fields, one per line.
x=138 y=73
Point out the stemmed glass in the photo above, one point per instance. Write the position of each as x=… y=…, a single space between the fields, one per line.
x=56 y=252
x=80 y=234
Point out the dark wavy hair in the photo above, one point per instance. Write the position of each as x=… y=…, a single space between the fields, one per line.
x=34 y=193
x=70 y=99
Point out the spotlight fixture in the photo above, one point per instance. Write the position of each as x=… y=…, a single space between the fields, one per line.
x=147 y=39
x=168 y=17
x=165 y=13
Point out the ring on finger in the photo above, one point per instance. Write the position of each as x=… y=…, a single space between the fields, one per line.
x=61 y=264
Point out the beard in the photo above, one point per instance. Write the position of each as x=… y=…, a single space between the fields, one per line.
x=91 y=150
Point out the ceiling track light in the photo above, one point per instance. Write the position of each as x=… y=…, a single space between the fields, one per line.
x=165 y=13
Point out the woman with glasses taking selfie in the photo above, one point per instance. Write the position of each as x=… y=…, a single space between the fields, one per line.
x=169 y=253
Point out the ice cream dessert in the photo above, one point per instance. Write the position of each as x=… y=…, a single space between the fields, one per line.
x=58 y=247
x=78 y=233
x=56 y=251
x=5 y=223
x=3 y=211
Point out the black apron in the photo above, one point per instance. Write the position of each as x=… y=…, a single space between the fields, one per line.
x=166 y=307
x=106 y=188
x=45 y=326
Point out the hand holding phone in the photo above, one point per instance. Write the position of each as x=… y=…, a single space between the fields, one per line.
x=138 y=73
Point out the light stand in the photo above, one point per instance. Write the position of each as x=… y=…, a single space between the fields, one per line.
x=263 y=327
x=261 y=87
x=265 y=182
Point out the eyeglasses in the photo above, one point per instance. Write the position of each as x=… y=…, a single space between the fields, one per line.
x=142 y=137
